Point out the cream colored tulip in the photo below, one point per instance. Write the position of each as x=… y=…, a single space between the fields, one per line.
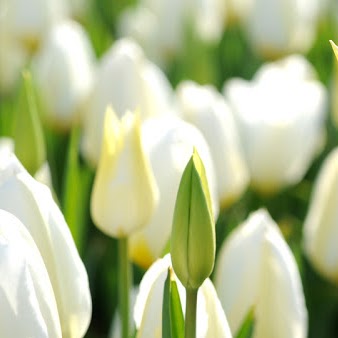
x=125 y=80
x=211 y=321
x=256 y=269
x=321 y=223
x=32 y=203
x=335 y=87
x=27 y=303
x=169 y=143
x=204 y=107
x=63 y=70
x=28 y=21
x=281 y=107
x=125 y=192
x=279 y=27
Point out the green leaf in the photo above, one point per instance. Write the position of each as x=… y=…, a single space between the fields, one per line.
x=28 y=133
x=172 y=315
x=76 y=192
x=247 y=328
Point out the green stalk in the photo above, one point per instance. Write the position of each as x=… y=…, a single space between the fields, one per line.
x=190 y=313
x=124 y=285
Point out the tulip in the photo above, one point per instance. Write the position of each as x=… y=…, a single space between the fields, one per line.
x=169 y=142
x=127 y=81
x=256 y=269
x=211 y=320
x=27 y=21
x=27 y=302
x=63 y=71
x=321 y=223
x=292 y=30
x=32 y=203
x=124 y=193
x=282 y=106
x=335 y=87
x=161 y=27
x=204 y=107
x=193 y=226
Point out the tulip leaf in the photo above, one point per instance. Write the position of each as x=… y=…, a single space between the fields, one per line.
x=247 y=328
x=28 y=132
x=172 y=315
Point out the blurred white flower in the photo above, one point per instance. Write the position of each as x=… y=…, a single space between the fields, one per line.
x=27 y=303
x=63 y=71
x=256 y=269
x=321 y=223
x=279 y=27
x=160 y=26
x=27 y=21
x=335 y=86
x=169 y=142
x=205 y=108
x=125 y=80
x=210 y=322
x=32 y=203
x=280 y=116
x=124 y=193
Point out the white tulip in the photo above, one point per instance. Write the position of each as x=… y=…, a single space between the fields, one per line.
x=205 y=108
x=280 y=108
x=27 y=302
x=34 y=206
x=126 y=81
x=255 y=269
x=124 y=193
x=210 y=322
x=28 y=21
x=321 y=223
x=160 y=27
x=279 y=27
x=335 y=87
x=169 y=142
x=63 y=70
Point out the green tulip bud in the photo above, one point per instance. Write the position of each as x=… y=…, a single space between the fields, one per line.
x=193 y=233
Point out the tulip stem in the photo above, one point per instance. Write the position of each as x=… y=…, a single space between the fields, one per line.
x=124 y=285
x=190 y=313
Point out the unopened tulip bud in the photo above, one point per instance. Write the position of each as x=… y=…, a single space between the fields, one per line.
x=193 y=227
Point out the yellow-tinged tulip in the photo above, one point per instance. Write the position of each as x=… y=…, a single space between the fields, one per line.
x=125 y=192
x=321 y=223
x=335 y=48
x=27 y=301
x=211 y=320
x=193 y=227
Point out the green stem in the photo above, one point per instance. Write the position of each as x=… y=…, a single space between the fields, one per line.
x=190 y=313
x=124 y=285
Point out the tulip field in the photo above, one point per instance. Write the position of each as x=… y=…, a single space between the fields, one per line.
x=168 y=169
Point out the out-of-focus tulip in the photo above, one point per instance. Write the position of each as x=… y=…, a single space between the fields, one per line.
x=204 y=107
x=160 y=27
x=63 y=71
x=124 y=193
x=211 y=321
x=193 y=226
x=32 y=203
x=321 y=223
x=126 y=80
x=28 y=21
x=335 y=87
x=292 y=29
x=256 y=269
x=27 y=302
x=281 y=107
x=13 y=57
x=169 y=142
